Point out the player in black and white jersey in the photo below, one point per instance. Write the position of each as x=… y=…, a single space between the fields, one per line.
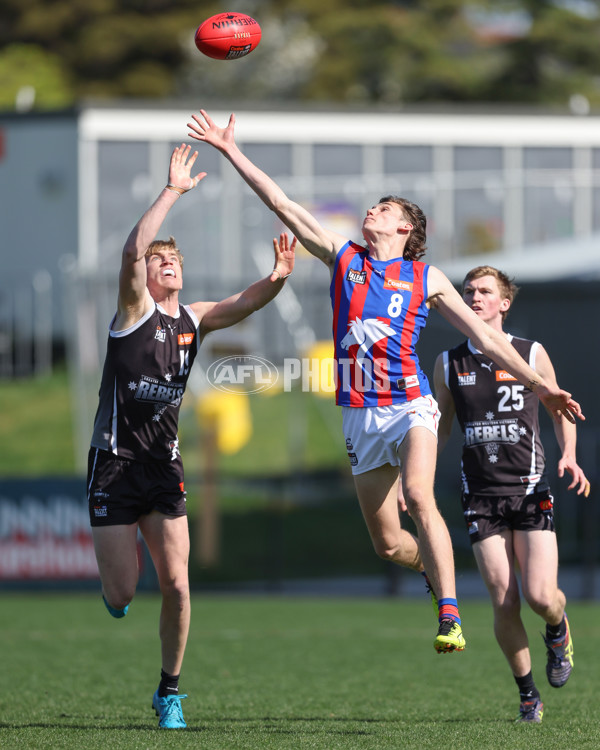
x=506 y=499
x=135 y=474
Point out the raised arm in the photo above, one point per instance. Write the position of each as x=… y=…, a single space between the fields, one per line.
x=134 y=299
x=216 y=315
x=565 y=432
x=320 y=242
x=444 y=297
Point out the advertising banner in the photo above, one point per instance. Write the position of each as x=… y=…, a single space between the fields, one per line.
x=45 y=531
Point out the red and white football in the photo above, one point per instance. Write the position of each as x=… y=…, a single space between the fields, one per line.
x=227 y=36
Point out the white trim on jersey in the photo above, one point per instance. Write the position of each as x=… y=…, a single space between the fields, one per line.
x=112 y=440
x=196 y=322
x=135 y=326
x=446 y=361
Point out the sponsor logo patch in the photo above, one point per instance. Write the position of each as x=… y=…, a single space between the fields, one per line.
x=503 y=375
x=356 y=277
x=185 y=339
x=351 y=454
x=466 y=378
x=411 y=381
x=397 y=285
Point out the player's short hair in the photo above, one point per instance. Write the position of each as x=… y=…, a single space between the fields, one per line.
x=506 y=285
x=415 y=246
x=160 y=246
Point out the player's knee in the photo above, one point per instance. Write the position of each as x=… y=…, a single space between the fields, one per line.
x=387 y=552
x=176 y=591
x=420 y=504
x=541 y=601
x=508 y=605
x=118 y=599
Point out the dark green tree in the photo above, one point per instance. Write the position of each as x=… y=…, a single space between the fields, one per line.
x=392 y=52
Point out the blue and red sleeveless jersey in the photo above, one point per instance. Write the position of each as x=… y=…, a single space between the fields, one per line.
x=379 y=309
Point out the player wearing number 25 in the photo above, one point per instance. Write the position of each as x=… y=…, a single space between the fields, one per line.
x=381 y=294
x=506 y=500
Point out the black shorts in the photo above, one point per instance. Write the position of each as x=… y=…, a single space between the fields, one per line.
x=487 y=515
x=121 y=490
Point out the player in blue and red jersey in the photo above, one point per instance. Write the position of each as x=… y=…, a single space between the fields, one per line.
x=381 y=295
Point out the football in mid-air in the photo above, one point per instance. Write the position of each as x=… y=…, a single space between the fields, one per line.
x=227 y=36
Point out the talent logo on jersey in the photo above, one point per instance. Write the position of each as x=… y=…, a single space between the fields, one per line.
x=467 y=378
x=502 y=375
x=356 y=277
x=397 y=285
x=100 y=511
x=160 y=335
x=185 y=339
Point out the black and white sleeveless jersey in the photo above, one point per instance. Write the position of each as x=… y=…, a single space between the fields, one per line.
x=502 y=452
x=144 y=378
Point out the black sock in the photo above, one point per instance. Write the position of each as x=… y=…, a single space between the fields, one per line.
x=169 y=684
x=556 y=631
x=527 y=688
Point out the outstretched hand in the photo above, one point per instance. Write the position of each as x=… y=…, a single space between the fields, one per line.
x=204 y=129
x=569 y=464
x=559 y=403
x=180 y=168
x=285 y=256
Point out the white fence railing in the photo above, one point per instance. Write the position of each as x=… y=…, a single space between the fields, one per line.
x=26 y=327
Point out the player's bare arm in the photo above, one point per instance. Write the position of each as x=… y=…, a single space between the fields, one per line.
x=445 y=403
x=444 y=298
x=565 y=432
x=134 y=299
x=216 y=315
x=320 y=242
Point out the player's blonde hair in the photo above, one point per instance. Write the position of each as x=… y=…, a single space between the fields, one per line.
x=415 y=246
x=508 y=288
x=160 y=246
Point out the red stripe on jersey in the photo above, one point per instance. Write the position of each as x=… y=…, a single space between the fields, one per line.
x=408 y=329
x=384 y=397
x=355 y=310
x=381 y=374
x=343 y=262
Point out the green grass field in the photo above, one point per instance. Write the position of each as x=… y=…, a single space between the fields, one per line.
x=279 y=673
x=291 y=431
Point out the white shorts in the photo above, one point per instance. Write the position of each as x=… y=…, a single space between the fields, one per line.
x=374 y=433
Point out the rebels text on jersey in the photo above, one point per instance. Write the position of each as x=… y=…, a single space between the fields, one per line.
x=379 y=309
x=502 y=451
x=143 y=382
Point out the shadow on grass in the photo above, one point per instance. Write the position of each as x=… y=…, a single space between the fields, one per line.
x=265 y=723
